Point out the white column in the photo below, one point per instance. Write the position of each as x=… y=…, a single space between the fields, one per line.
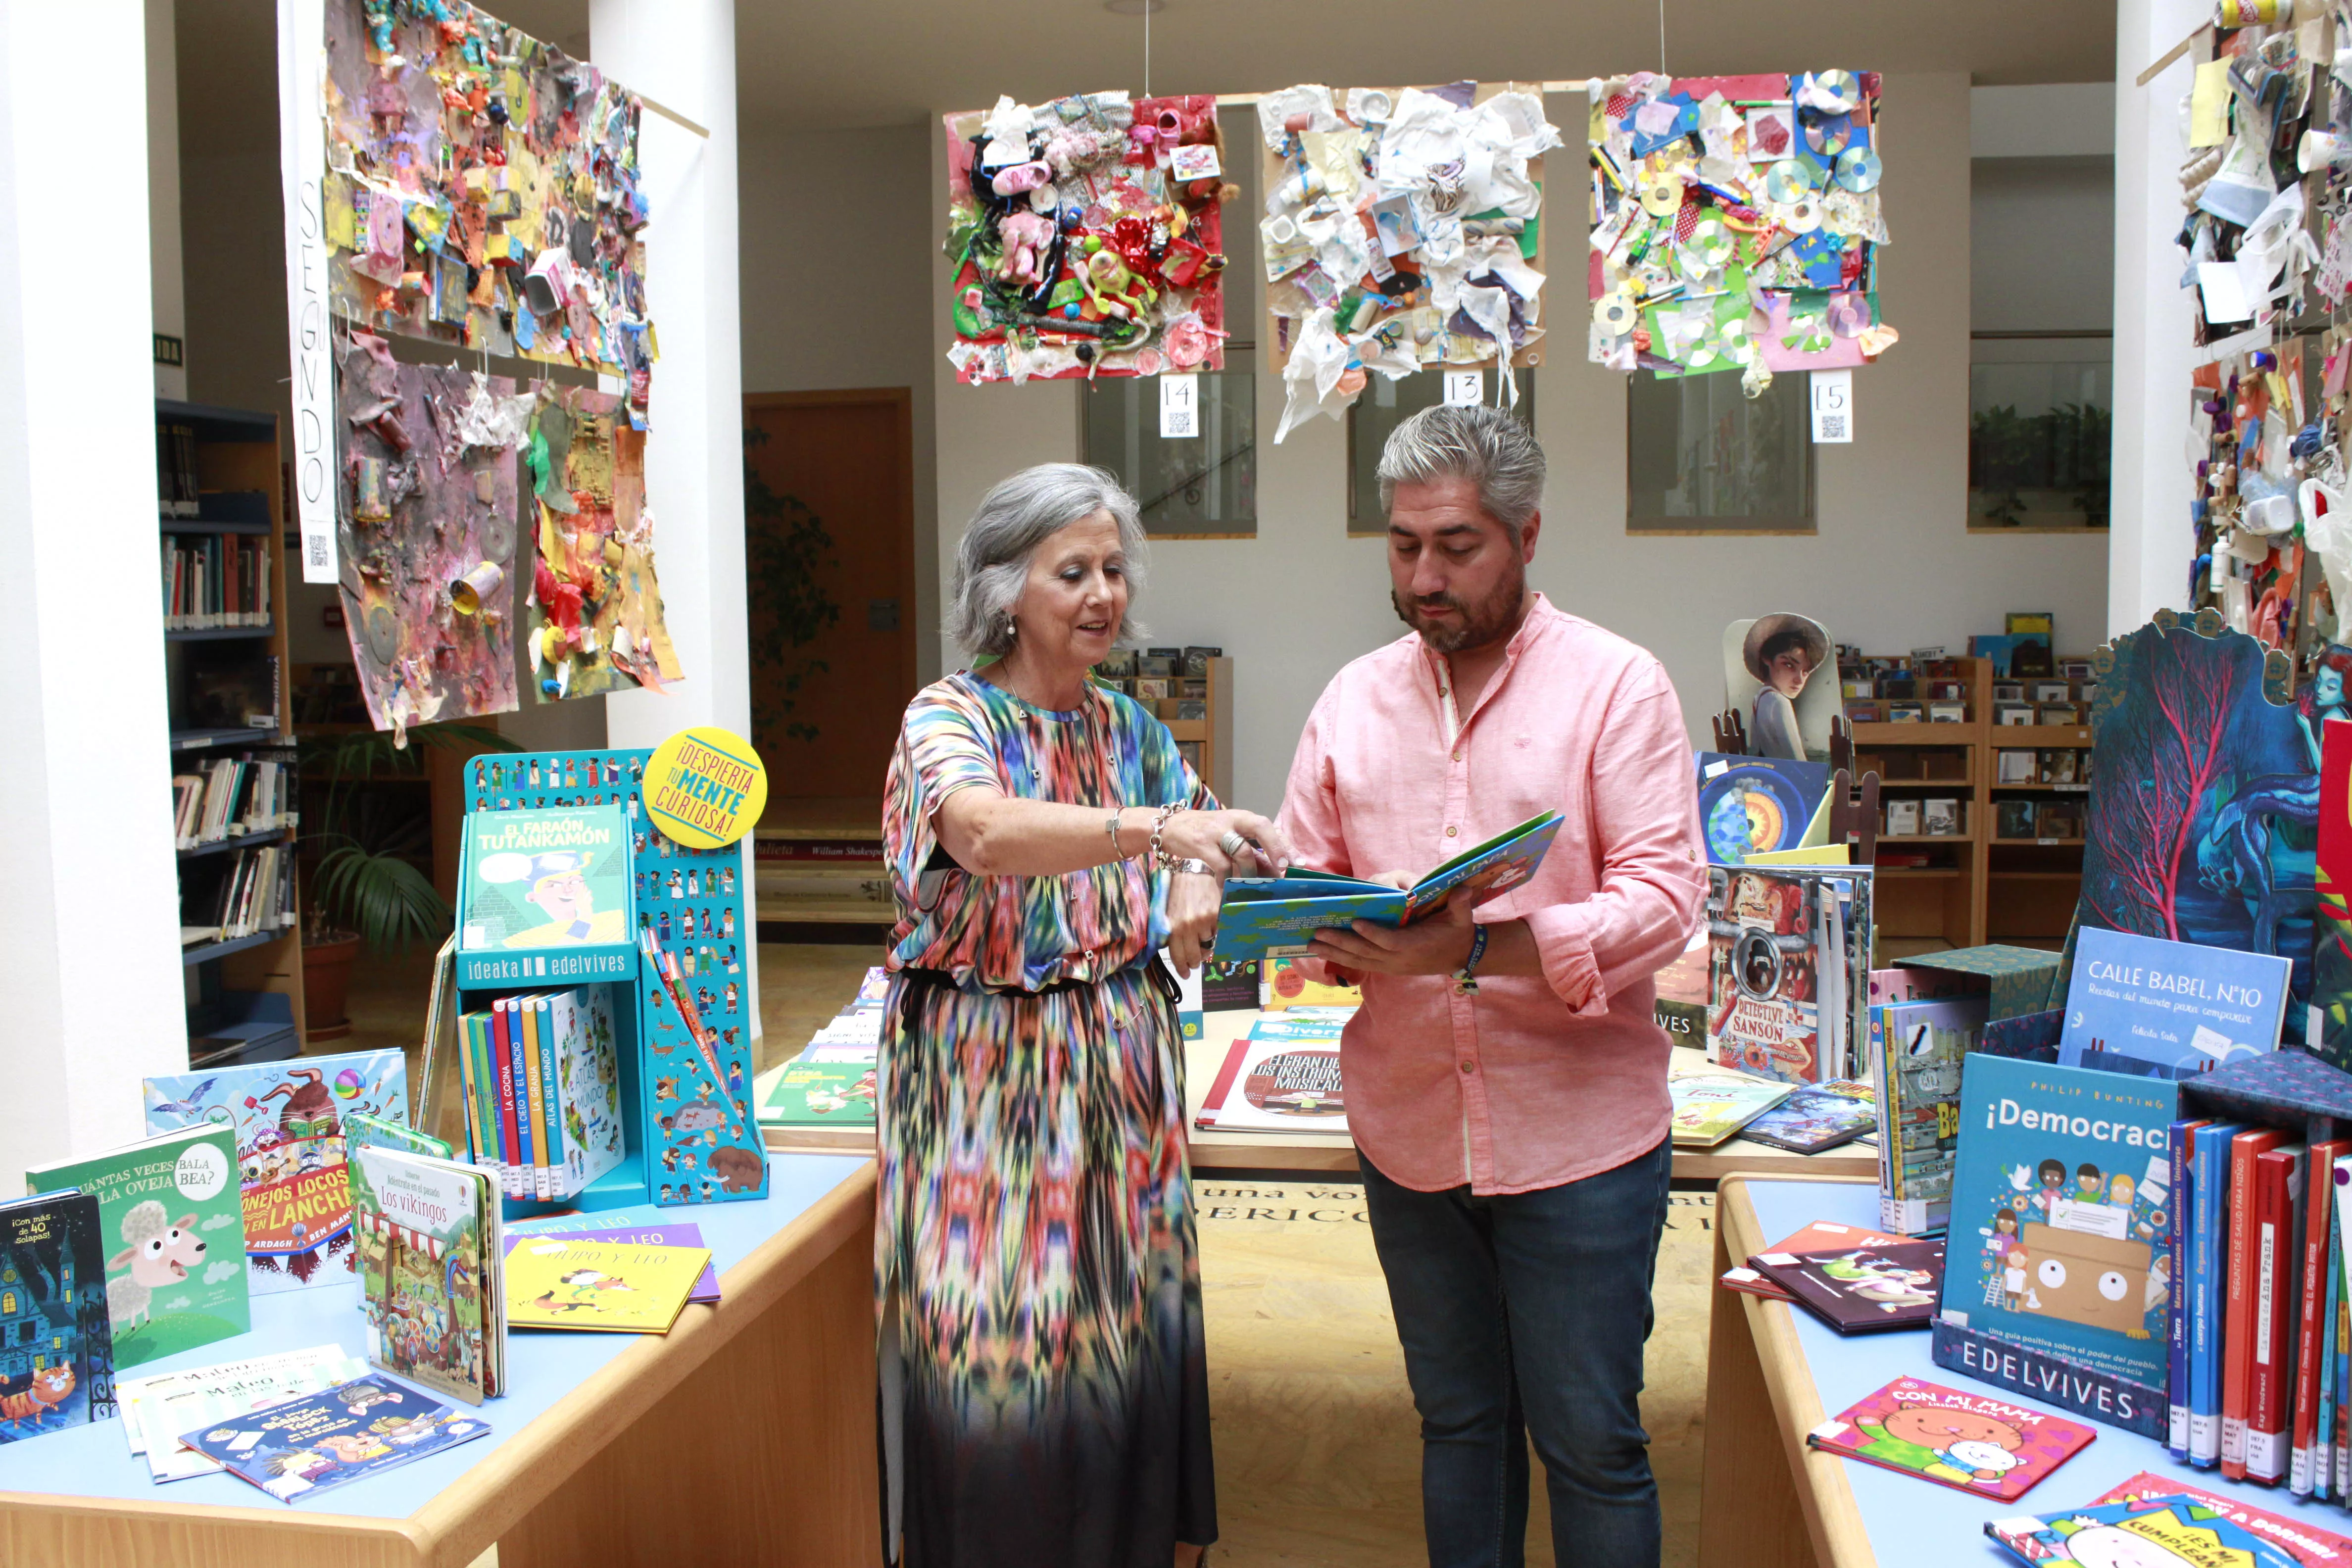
x=2151 y=543
x=90 y=963
x=163 y=190
x=682 y=52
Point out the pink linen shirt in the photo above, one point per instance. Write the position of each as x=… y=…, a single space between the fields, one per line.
x=1529 y=1082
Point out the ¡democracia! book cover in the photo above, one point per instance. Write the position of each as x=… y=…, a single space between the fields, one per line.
x=2059 y=1194
x=1969 y=1442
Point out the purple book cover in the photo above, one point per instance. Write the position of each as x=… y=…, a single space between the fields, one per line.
x=1861 y=1290
x=676 y=1233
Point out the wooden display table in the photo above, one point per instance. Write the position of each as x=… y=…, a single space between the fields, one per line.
x=1775 y=1372
x=744 y=1435
x=1335 y=1153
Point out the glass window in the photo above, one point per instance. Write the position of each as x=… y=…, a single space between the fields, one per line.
x=1373 y=417
x=2041 y=416
x=1202 y=487
x=1702 y=457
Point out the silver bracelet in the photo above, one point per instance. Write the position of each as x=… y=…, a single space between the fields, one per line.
x=1159 y=825
x=1110 y=828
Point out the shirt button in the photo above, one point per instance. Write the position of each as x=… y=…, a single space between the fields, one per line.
x=1469 y=1068
x=1457 y=756
x=1449 y=833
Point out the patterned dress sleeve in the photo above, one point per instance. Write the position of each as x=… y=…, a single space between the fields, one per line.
x=944 y=745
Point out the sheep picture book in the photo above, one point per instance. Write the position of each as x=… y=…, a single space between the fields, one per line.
x=1263 y=912
x=1967 y=1441
x=288 y=1119
x=174 y=1230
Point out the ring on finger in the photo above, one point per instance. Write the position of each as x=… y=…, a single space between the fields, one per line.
x=1235 y=845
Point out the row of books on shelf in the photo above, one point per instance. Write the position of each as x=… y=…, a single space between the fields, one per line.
x=1936 y=817
x=2069 y=766
x=1159 y=664
x=252 y=896
x=229 y=797
x=542 y=1075
x=2043 y=821
x=175 y=469
x=215 y=580
x=291 y=1176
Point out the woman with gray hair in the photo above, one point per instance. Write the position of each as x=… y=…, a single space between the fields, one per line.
x=1045 y=1384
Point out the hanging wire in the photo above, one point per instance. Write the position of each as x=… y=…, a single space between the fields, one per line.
x=1147 y=46
x=1662 y=37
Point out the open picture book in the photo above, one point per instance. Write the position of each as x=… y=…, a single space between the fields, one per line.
x=1263 y=913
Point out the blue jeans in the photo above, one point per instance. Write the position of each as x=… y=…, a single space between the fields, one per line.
x=1526 y=1313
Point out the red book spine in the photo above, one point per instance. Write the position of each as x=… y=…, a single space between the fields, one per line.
x=2238 y=1312
x=2277 y=1182
x=1223 y=1085
x=2311 y=1332
x=502 y=1032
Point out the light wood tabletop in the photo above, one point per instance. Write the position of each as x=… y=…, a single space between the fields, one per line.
x=1335 y=1153
x=745 y=1434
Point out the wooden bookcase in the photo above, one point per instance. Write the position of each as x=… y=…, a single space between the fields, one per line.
x=1977 y=885
x=235 y=461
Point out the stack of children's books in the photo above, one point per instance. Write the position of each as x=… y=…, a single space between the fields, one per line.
x=565 y=1281
x=1711 y=1104
x=542 y=1075
x=1789 y=946
x=1283 y=1078
x=831 y=1083
x=2182 y=1274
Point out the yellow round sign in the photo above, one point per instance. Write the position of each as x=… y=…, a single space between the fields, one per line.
x=705 y=787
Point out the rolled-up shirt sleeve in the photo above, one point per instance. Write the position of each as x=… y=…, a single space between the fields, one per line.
x=1653 y=877
x=1310 y=801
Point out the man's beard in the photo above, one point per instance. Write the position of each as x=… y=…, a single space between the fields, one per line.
x=1488 y=621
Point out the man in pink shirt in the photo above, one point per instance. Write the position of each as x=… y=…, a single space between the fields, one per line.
x=1507 y=1083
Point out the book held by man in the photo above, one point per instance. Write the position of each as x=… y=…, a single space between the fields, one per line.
x=1263 y=912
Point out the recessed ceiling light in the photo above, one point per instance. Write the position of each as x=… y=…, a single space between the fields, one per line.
x=1134 y=7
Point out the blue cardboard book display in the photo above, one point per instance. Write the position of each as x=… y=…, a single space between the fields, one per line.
x=682 y=1003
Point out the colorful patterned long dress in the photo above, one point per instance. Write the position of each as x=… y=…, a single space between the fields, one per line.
x=1038 y=1293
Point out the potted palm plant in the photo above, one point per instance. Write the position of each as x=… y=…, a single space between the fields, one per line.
x=366 y=888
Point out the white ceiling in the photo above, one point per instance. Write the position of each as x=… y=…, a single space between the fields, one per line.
x=892 y=62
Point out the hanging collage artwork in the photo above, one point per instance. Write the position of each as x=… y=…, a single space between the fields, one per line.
x=1086 y=236
x=595 y=609
x=1736 y=224
x=1402 y=231
x=482 y=194
x=426 y=521
x=2269 y=272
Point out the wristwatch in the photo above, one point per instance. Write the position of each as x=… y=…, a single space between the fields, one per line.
x=1466 y=979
